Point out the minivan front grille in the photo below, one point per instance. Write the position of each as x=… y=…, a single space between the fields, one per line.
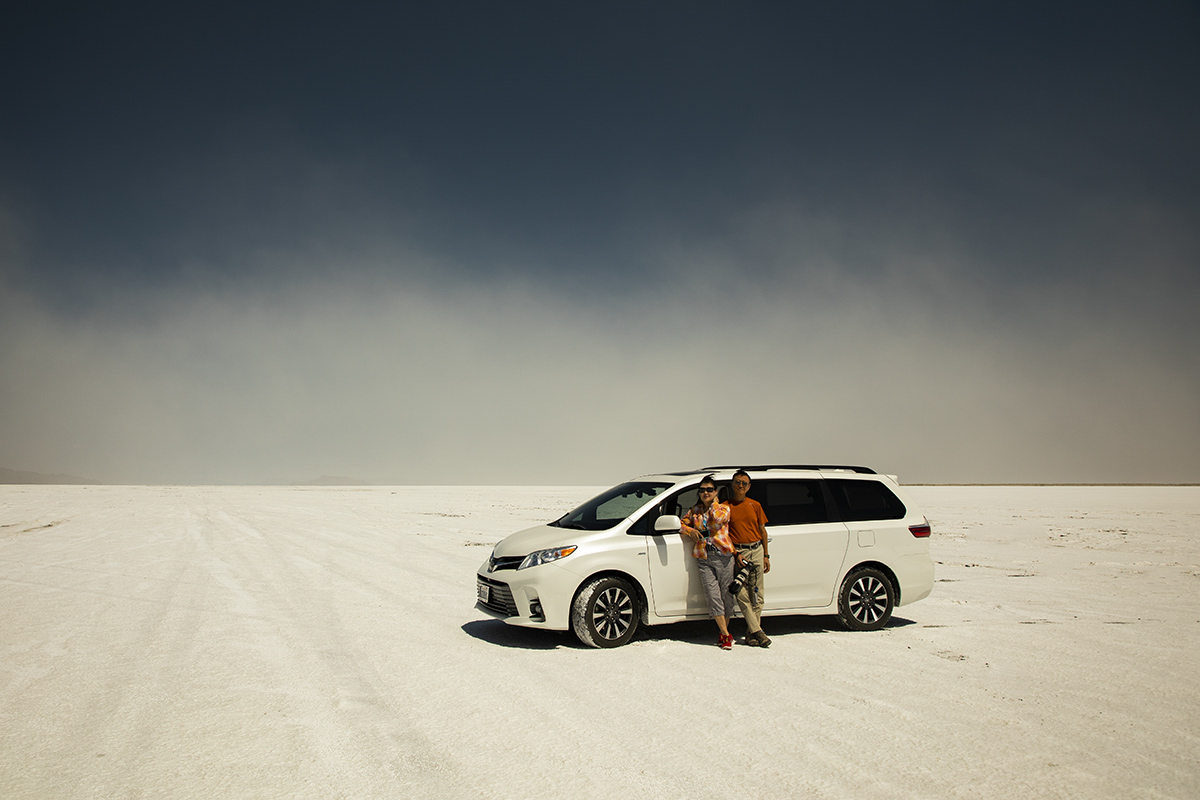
x=500 y=597
x=504 y=562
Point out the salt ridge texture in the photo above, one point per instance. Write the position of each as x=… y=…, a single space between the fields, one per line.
x=236 y=642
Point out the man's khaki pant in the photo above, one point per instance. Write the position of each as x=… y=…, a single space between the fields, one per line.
x=752 y=610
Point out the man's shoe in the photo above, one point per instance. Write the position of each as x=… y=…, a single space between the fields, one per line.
x=752 y=639
x=763 y=641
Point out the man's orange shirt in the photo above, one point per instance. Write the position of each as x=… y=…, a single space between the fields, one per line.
x=745 y=521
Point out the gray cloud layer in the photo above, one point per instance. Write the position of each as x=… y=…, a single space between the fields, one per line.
x=502 y=382
x=956 y=245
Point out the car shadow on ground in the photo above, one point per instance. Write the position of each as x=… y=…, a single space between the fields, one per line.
x=704 y=632
x=697 y=632
x=493 y=631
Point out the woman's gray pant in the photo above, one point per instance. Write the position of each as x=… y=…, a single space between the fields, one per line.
x=716 y=573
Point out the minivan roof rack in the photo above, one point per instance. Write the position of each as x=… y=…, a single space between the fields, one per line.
x=813 y=467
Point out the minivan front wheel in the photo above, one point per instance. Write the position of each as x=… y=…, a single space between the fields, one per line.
x=866 y=600
x=605 y=613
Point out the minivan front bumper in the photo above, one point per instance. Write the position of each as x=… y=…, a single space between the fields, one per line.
x=537 y=597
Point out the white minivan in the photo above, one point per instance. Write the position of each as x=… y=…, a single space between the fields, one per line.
x=843 y=540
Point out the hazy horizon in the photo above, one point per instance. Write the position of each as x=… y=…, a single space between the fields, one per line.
x=11 y=477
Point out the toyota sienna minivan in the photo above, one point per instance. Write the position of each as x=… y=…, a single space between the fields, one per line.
x=843 y=540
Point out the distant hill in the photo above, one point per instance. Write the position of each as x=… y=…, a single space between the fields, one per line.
x=332 y=480
x=17 y=476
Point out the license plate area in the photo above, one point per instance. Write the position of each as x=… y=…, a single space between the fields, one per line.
x=485 y=592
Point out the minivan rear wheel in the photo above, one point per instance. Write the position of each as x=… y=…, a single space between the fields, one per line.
x=866 y=600
x=605 y=613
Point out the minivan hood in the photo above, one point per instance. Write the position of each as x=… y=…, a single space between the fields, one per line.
x=543 y=537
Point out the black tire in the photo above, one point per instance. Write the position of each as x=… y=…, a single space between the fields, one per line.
x=605 y=613
x=866 y=600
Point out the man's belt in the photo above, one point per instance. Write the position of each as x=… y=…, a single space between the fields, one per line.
x=750 y=546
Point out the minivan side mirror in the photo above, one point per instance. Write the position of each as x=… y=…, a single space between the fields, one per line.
x=667 y=523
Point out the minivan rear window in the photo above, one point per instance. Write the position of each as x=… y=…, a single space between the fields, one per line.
x=862 y=500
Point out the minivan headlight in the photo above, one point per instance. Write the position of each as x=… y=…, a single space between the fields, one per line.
x=546 y=556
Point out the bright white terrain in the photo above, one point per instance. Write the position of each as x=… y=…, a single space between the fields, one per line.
x=199 y=642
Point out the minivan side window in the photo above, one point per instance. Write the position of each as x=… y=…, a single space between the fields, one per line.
x=864 y=500
x=677 y=504
x=790 y=502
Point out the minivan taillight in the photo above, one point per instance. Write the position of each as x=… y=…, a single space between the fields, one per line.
x=920 y=531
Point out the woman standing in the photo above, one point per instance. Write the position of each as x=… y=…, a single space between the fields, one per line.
x=707 y=526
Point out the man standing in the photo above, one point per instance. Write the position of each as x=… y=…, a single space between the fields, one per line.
x=747 y=529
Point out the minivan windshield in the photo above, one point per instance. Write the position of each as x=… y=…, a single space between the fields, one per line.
x=606 y=510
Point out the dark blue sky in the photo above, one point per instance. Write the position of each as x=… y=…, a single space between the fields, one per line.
x=883 y=198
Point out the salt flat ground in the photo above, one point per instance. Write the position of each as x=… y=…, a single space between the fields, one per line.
x=201 y=642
